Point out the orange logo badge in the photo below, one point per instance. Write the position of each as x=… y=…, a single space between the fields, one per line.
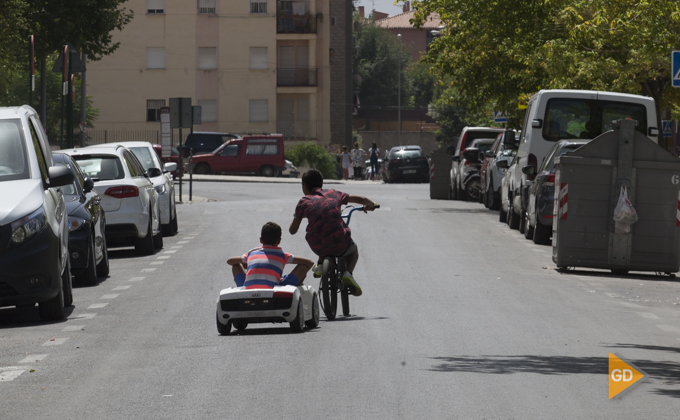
x=622 y=375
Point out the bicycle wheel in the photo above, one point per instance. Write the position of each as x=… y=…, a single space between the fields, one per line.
x=344 y=290
x=329 y=289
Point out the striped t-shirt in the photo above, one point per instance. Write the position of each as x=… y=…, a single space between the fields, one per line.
x=265 y=266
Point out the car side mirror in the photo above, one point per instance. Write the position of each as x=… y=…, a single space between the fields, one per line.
x=529 y=170
x=170 y=166
x=60 y=176
x=503 y=164
x=489 y=153
x=88 y=185
x=456 y=158
x=653 y=131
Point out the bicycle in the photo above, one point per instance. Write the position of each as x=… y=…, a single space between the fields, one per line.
x=331 y=279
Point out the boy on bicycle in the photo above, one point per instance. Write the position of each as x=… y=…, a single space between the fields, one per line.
x=327 y=234
x=262 y=267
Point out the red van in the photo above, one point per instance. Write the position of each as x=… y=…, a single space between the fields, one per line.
x=260 y=154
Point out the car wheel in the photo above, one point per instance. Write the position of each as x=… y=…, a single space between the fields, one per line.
x=221 y=328
x=528 y=229
x=239 y=325
x=619 y=272
x=67 y=285
x=145 y=245
x=90 y=273
x=158 y=241
x=202 y=169
x=314 y=321
x=298 y=324
x=453 y=192
x=495 y=201
x=53 y=309
x=541 y=233
x=171 y=228
x=103 y=266
x=267 y=171
x=502 y=216
x=473 y=189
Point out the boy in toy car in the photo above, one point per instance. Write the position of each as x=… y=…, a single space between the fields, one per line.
x=327 y=234
x=262 y=267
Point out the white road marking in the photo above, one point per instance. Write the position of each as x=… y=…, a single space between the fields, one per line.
x=183 y=242
x=83 y=316
x=157 y=263
x=121 y=287
x=163 y=257
x=176 y=246
x=137 y=278
x=10 y=373
x=97 y=305
x=111 y=296
x=170 y=252
x=648 y=315
x=33 y=358
x=186 y=238
x=614 y=296
x=55 y=341
x=669 y=328
x=72 y=328
x=149 y=270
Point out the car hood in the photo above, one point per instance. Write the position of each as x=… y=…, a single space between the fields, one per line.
x=19 y=199
x=73 y=203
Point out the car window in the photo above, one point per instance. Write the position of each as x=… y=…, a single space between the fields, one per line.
x=80 y=178
x=262 y=147
x=103 y=167
x=230 y=150
x=42 y=161
x=408 y=153
x=550 y=163
x=13 y=157
x=145 y=157
x=474 y=135
x=497 y=144
x=174 y=152
x=134 y=162
x=527 y=124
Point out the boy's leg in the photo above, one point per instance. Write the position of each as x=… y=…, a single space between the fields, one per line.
x=299 y=273
x=239 y=272
x=348 y=276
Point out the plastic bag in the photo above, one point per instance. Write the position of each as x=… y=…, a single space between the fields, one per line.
x=624 y=211
x=621 y=228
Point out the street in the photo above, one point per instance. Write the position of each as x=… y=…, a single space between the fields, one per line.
x=460 y=317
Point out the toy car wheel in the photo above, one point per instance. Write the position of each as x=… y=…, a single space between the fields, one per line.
x=314 y=322
x=240 y=325
x=298 y=324
x=221 y=328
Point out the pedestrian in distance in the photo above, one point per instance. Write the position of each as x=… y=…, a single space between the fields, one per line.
x=358 y=156
x=346 y=160
x=373 y=154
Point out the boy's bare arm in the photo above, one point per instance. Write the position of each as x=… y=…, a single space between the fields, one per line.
x=234 y=260
x=303 y=261
x=369 y=205
x=294 y=226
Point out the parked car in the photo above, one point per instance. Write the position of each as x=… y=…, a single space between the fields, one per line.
x=406 y=163
x=554 y=115
x=87 y=225
x=34 y=231
x=470 y=163
x=173 y=158
x=290 y=171
x=538 y=225
x=128 y=196
x=507 y=185
x=490 y=174
x=205 y=142
x=467 y=136
x=159 y=174
x=260 y=154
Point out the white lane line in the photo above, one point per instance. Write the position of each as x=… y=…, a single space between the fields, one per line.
x=111 y=296
x=187 y=238
x=669 y=328
x=121 y=287
x=97 y=305
x=614 y=296
x=83 y=316
x=72 y=328
x=149 y=270
x=33 y=358
x=631 y=305
x=163 y=257
x=648 y=315
x=10 y=373
x=157 y=263
x=170 y=252
x=55 y=341
x=539 y=250
x=183 y=242
x=177 y=247
x=137 y=278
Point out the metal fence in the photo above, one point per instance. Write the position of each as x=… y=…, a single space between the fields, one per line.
x=296 y=77
x=295 y=24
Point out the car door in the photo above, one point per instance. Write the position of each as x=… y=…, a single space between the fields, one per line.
x=93 y=205
x=227 y=159
x=137 y=175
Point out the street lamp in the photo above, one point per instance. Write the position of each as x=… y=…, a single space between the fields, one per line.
x=399 y=93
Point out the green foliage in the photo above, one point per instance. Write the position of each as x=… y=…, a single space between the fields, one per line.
x=423 y=84
x=314 y=156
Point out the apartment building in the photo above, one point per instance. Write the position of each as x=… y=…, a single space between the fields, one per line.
x=253 y=66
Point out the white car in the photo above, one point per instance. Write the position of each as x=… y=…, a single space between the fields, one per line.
x=296 y=305
x=128 y=196
x=160 y=175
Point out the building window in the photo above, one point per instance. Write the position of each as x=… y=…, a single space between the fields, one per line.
x=207 y=58
x=155 y=7
x=153 y=109
x=259 y=110
x=208 y=110
x=155 y=58
x=258 y=58
x=207 y=7
x=258 y=7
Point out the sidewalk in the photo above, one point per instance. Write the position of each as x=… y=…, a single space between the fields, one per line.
x=262 y=179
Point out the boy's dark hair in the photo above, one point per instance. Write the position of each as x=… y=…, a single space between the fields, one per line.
x=312 y=179
x=271 y=234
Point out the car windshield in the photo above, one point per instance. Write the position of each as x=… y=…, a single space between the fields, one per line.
x=101 y=167
x=483 y=146
x=13 y=159
x=407 y=153
x=145 y=158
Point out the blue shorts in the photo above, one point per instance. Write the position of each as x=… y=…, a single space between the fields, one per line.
x=287 y=280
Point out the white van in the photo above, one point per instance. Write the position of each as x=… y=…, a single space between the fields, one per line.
x=554 y=115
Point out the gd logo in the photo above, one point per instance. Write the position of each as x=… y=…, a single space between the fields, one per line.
x=622 y=375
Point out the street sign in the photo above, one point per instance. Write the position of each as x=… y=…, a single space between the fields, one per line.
x=667 y=128
x=77 y=65
x=675 y=68
x=166 y=133
x=499 y=117
x=180 y=113
x=197 y=113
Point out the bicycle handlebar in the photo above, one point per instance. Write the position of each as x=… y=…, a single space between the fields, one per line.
x=349 y=215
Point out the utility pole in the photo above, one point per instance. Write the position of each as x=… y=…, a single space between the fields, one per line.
x=399 y=93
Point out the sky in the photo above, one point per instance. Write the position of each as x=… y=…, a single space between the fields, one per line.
x=385 y=6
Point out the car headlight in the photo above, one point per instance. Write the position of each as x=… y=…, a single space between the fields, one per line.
x=160 y=189
x=26 y=227
x=75 y=223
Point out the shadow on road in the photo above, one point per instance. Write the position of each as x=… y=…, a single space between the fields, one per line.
x=357 y=318
x=25 y=317
x=631 y=276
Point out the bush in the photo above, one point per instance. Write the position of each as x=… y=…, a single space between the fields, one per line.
x=314 y=156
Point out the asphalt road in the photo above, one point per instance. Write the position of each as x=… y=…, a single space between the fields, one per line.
x=460 y=318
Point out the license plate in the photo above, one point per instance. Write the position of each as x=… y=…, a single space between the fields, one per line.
x=409 y=171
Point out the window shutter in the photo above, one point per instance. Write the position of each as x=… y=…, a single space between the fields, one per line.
x=258 y=58
x=207 y=58
x=155 y=6
x=208 y=110
x=155 y=58
x=259 y=110
x=206 y=7
x=258 y=6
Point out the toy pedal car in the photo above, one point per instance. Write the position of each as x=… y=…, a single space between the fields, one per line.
x=238 y=306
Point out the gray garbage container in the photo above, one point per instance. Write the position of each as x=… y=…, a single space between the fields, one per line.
x=587 y=187
x=440 y=175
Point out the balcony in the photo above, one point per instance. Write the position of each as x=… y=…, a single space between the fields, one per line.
x=298 y=130
x=288 y=23
x=296 y=77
